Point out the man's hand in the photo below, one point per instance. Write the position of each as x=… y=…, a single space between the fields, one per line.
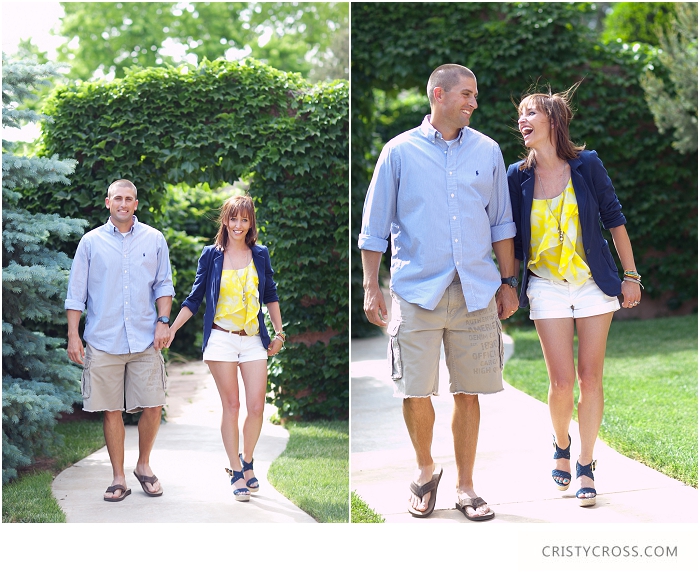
x=76 y=351
x=375 y=306
x=162 y=336
x=507 y=301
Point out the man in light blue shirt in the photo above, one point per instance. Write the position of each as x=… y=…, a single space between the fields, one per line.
x=120 y=275
x=440 y=192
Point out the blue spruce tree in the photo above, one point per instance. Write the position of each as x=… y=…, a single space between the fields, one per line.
x=38 y=381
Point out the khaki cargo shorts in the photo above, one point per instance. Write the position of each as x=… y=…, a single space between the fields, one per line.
x=111 y=382
x=472 y=340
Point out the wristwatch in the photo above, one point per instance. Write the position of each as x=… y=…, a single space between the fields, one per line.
x=164 y=319
x=512 y=281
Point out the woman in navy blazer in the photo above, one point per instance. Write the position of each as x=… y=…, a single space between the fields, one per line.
x=226 y=349
x=553 y=165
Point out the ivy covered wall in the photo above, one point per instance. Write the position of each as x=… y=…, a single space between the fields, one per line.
x=209 y=126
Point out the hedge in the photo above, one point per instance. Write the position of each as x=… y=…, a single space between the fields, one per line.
x=208 y=126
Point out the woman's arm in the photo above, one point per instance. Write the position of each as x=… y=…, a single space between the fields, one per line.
x=631 y=291
x=273 y=308
x=180 y=320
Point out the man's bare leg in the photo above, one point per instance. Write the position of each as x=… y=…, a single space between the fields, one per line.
x=113 y=426
x=419 y=415
x=466 y=417
x=149 y=423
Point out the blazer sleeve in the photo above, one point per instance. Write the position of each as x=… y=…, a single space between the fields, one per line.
x=515 y=191
x=270 y=293
x=609 y=206
x=194 y=300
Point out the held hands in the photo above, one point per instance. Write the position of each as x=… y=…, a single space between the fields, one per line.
x=506 y=301
x=170 y=338
x=162 y=336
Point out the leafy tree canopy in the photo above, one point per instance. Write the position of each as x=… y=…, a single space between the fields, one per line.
x=105 y=38
x=674 y=104
x=637 y=21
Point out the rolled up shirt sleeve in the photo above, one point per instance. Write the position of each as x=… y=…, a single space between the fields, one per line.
x=380 y=204
x=499 y=209
x=163 y=284
x=76 y=296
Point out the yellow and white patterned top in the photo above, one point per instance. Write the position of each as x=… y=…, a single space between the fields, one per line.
x=233 y=311
x=551 y=258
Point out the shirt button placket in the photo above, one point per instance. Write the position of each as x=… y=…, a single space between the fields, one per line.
x=453 y=203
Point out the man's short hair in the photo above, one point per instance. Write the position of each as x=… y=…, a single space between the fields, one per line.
x=446 y=77
x=121 y=184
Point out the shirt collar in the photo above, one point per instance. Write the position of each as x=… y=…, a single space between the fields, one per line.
x=115 y=230
x=429 y=131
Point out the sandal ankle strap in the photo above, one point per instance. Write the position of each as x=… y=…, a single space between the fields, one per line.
x=560 y=453
x=235 y=475
x=247 y=465
x=586 y=470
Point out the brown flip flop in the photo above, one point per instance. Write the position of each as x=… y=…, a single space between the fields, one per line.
x=474 y=504
x=113 y=488
x=421 y=490
x=143 y=479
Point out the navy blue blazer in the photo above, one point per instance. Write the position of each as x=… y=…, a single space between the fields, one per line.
x=597 y=203
x=207 y=283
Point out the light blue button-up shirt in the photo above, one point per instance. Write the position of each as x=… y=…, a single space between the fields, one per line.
x=443 y=206
x=118 y=278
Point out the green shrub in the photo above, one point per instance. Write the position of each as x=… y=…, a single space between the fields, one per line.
x=38 y=381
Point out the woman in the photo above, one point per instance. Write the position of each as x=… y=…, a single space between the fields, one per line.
x=559 y=193
x=235 y=276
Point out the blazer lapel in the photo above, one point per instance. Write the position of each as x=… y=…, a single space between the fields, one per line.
x=528 y=191
x=580 y=187
x=259 y=263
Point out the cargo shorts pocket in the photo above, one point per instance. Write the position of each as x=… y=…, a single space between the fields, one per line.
x=85 y=383
x=163 y=375
x=501 y=347
x=394 y=350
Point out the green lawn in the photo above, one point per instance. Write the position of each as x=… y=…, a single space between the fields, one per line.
x=651 y=390
x=313 y=470
x=29 y=498
x=360 y=512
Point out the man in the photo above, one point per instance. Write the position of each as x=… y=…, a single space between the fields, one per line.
x=120 y=270
x=440 y=191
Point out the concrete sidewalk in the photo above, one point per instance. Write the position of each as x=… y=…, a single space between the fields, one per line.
x=513 y=464
x=189 y=460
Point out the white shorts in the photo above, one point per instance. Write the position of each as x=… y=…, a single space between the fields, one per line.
x=551 y=299
x=224 y=346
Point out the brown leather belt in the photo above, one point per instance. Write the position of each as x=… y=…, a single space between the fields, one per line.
x=534 y=274
x=242 y=332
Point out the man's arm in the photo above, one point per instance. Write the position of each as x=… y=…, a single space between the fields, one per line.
x=76 y=351
x=506 y=296
x=162 y=335
x=375 y=306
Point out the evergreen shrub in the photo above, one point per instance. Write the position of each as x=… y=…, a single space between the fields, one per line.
x=210 y=126
x=38 y=381
x=510 y=47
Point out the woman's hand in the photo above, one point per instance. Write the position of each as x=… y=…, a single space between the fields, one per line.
x=172 y=337
x=274 y=347
x=631 y=294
